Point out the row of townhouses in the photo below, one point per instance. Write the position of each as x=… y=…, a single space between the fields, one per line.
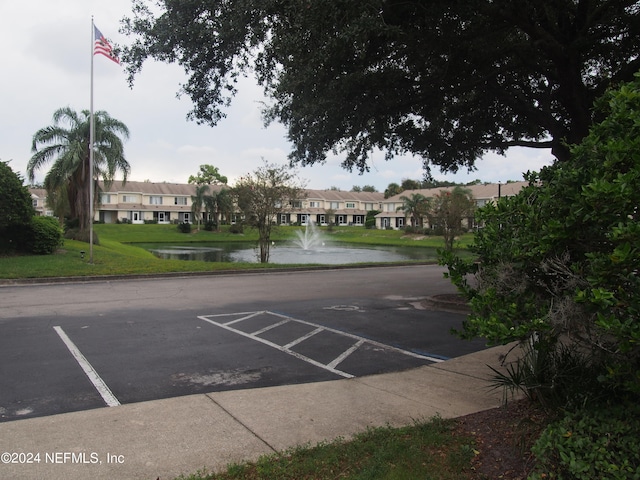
x=392 y=216
x=139 y=202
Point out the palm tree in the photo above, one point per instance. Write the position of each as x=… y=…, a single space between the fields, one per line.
x=197 y=200
x=66 y=144
x=218 y=204
x=415 y=207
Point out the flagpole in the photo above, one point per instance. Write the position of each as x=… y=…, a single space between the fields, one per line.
x=91 y=140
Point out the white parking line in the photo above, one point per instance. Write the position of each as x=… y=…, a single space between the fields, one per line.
x=304 y=337
x=94 y=378
x=269 y=327
x=336 y=361
x=366 y=340
x=331 y=366
x=207 y=318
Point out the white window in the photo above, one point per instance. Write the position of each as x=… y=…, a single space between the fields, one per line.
x=106 y=198
x=35 y=203
x=335 y=205
x=180 y=200
x=314 y=204
x=129 y=198
x=351 y=205
x=155 y=200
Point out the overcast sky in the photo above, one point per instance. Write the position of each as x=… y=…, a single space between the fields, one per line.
x=46 y=65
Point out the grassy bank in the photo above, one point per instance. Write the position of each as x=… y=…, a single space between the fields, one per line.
x=117 y=253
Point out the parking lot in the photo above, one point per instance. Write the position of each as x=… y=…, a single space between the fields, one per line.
x=54 y=362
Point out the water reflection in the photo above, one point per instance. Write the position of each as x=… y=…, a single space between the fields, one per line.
x=291 y=254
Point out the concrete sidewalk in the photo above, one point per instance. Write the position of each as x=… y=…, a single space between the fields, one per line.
x=166 y=438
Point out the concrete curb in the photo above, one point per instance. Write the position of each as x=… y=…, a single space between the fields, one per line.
x=9 y=282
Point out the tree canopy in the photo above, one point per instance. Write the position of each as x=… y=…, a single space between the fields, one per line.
x=66 y=144
x=447 y=81
x=262 y=196
x=208 y=175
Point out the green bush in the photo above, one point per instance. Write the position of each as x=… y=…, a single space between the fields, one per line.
x=16 y=210
x=594 y=443
x=236 y=228
x=184 y=227
x=413 y=230
x=45 y=235
x=557 y=264
x=210 y=225
x=370 y=219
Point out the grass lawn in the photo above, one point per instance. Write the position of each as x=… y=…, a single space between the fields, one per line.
x=117 y=253
x=426 y=450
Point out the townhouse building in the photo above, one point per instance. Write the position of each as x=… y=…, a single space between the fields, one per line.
x=137 y=202
x=392 y=216
x=338 y=207
x=39 y=201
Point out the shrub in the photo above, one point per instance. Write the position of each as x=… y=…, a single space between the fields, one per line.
x=16 y=209
x=370 y=220
x=45 y=235
x=557 y=264
x=71 y=224
x=413 y=230
x=236 y=228
x=81 y=235
x=184 y=227
x=210 y=225
x=599 y=442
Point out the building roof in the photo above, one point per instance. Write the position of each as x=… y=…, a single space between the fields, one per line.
x=164 y=188
x=152 y=188
x=38 y=193
x=479 y=191
x=340 y=196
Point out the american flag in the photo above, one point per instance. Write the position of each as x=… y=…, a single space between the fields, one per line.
x=102 y=47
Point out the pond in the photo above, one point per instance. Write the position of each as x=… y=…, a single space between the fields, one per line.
x=290 y=253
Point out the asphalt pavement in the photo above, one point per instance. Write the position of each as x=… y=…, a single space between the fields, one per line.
x=164 y=377
x=162 y=439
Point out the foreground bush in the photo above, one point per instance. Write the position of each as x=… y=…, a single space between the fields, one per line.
x=598 y=442
x=558 y=265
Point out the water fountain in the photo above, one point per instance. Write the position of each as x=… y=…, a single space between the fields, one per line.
x=309 y=247
x=309 y=238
